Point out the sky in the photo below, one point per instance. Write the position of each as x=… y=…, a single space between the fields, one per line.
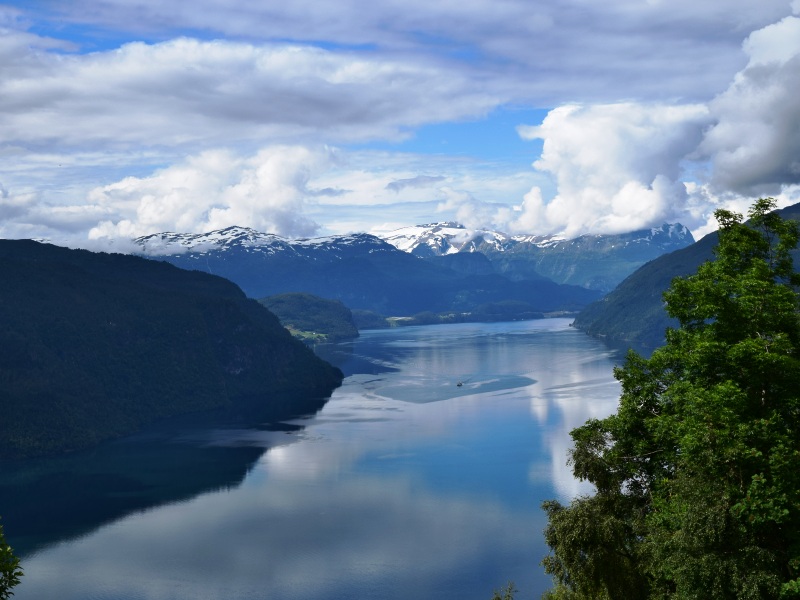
x=121 y=118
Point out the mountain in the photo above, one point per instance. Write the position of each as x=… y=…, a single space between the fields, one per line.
x=596 y=262
x=633 y=314
x=93 y=346
x=360 y=270
x=440 y=239
x=312 y=318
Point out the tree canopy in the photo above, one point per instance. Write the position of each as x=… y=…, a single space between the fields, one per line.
x=10 y=571
x=696 y=474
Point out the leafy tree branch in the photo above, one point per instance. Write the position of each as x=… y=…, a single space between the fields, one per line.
x=697 y=485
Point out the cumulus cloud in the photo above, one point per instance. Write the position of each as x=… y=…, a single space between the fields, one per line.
x=628 y=165
x=617 y=166
x=26 y=215
x=217 y=189
x=13 y=206
x=754 y=145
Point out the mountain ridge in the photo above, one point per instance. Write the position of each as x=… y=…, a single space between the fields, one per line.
x=95 y=345
x=361 y=270
x=593 y=261
x=597 y=262
x=633 y=313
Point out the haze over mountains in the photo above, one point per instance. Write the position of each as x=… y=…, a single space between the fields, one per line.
x=461 y=269
x=361 y=270
x=596 y=262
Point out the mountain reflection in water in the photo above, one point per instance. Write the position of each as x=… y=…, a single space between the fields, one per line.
x=405 y=485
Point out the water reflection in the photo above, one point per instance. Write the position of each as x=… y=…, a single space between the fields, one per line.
x=405 y=485
x=44 y=501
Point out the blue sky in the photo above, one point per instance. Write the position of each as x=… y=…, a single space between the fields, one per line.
x=120 y=118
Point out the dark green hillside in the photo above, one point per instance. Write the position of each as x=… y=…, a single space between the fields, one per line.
x=313 y=317
x=93 y=346
x=633 y=314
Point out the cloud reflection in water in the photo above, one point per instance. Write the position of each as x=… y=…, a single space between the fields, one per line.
x=391 y=491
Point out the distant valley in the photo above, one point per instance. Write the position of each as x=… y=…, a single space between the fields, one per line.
x=96 y=345
x=439 y=268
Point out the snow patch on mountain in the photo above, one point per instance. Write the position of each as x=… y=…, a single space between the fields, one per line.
x=439 y=239
x=249 y=240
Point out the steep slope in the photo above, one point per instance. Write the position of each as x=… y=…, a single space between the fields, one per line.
x=92 y=346
x=312 y=317
x=633 y=314
x=597 y=262
x=361 y=270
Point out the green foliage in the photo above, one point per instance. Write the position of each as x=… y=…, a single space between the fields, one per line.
x=312 y=317
x=506 y=593
x=10 y=571
x=697 y=485
x=367 y=319
x=634 y=314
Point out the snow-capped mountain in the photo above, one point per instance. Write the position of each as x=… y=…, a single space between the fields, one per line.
x=243 y=239
x=440 y=239
x=361 y=270
x=592 y=261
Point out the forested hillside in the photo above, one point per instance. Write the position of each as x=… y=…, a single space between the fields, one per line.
x=633 y=314
x=92 y=346
x=311 y=317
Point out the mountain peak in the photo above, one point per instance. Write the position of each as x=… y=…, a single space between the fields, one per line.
x=439 y=239
x=169 y=243
x=247 y=239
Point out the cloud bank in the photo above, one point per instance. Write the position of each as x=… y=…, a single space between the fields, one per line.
x=269 y=116
x=754 y=145
x=617 y=166
x=623 y=166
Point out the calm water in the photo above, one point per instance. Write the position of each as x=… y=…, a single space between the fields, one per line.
x=405 y=486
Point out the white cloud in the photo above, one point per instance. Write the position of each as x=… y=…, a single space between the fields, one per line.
x=420 y=181
x=617 y=167
x=101 y=139
x=621 y=166
x=191 y=92
x=554 y=50
x=755 y=144
x=217 y=189
x=291 y=190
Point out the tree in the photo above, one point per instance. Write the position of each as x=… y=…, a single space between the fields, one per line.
x=506 y=593
x=10 y=571
x=696 y=474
